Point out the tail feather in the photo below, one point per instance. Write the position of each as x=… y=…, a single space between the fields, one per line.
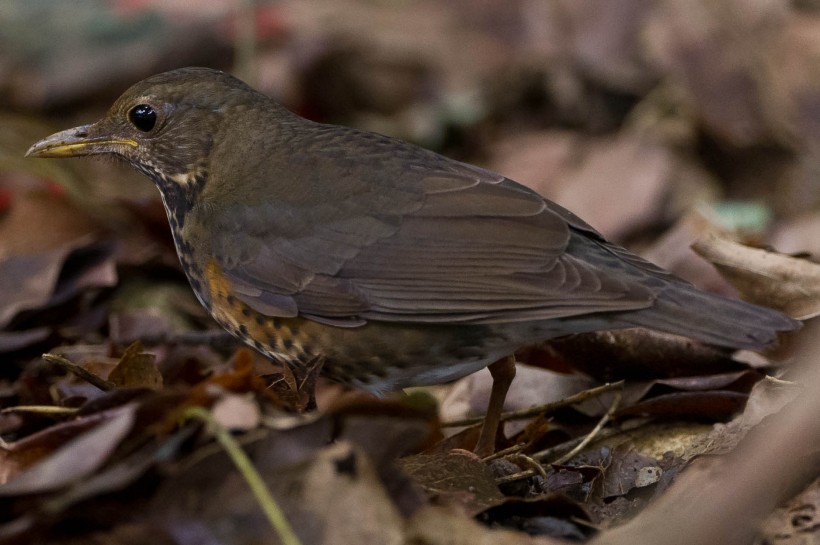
x=684 y=310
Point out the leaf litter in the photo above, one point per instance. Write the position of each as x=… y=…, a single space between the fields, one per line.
x=630 y=121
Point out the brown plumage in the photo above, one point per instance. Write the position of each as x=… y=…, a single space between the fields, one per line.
x=396 y=265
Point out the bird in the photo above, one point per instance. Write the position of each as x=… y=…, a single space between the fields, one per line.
x=392 y=264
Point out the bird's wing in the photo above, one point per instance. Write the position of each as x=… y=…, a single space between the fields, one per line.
x=452 y=243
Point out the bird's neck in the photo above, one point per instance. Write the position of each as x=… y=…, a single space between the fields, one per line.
x=179 y=193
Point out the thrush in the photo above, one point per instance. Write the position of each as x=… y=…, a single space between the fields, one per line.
x=396 y=265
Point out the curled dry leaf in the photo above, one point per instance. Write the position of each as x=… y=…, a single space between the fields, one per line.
x=723 y=499
x=75 y=460
x=637 y=353
x=136 y=369
x=786 y=283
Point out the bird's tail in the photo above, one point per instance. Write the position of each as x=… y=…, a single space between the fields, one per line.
x=713 y=319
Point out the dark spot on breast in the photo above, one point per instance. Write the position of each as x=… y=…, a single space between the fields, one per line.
x=277 y=323
x=246 y=312
x=243 y=330
x=272 y=342
x=260 y=320
x=287 y=343
x=231 y=300
x=346 y=465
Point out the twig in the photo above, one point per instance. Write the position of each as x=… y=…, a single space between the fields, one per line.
x=779 y=381
x=582 y=443
x=501 y=453
x=271 y=509
x=591 y=435
x=87 y=376
x=603 y=434
x=532 y=462
x=526 y=474
x=40 y=409
x=542 y=409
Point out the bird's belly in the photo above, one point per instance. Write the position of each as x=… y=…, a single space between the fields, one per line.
x=424 y=374
x=381 y=357
x=293 y=341
x=377 y=356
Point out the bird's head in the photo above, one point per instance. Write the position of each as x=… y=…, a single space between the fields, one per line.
x=164 y=126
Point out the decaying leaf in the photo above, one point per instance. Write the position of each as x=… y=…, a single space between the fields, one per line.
x=136 y=369
x=786 y=283
x=632 y=113
x=457 y=479
x=76 y=459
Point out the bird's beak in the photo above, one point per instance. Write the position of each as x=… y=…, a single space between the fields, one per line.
x=75 y=142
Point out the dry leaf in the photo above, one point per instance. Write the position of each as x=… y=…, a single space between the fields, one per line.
x=237 y=412
x=457 y=479
x=136 y=369
x=76 y=459
x=767 y=278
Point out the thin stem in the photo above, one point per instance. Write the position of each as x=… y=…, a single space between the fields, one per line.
x=542 y=409
x=271 y=509
x=87 y=376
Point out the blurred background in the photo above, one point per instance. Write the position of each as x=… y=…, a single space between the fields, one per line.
x=656 y=121
x=651 y=119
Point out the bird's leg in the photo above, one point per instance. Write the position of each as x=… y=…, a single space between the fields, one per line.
x=503 y=373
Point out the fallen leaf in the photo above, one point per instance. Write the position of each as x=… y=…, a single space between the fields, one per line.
x=711 y=49
x=767 y=278
x=136 y=369
x=441 y=526
x=23 y=232
x=638 y=354
x=556 y=516
x=625 y=472
x=33 y=278
x=457 y=479
x=718 y=405
x=342 y=485
x=236 y=412
x=723 y=499
x=639 y=173
x=76 y=459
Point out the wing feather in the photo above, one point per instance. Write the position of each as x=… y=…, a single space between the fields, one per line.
x=440 y=242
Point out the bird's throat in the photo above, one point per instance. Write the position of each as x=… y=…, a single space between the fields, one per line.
x=179 y=194
x=179 y=191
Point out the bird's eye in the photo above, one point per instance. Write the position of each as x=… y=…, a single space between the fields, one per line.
x=143 y=117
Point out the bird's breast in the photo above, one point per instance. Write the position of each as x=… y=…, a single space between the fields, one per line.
x=294 y=341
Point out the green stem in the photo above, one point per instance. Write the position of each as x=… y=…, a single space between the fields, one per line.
x=271 y=509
